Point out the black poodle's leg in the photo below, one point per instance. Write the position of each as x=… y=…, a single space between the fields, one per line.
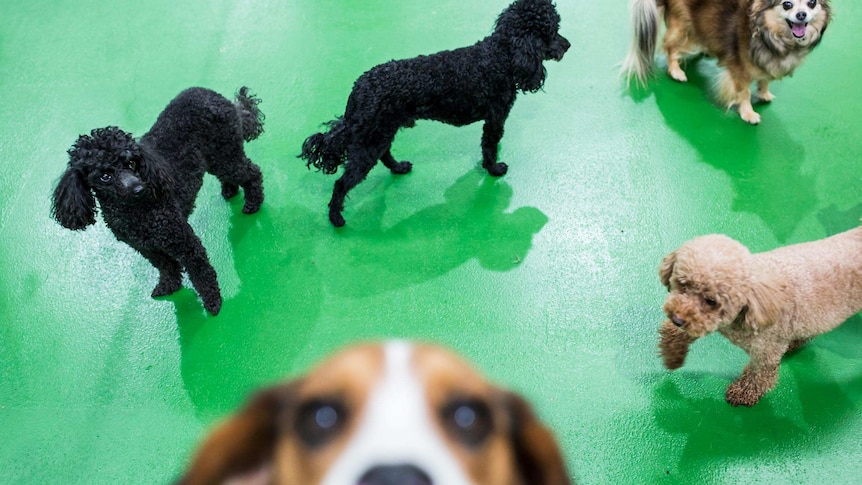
x=170 y=272
x=187 y=249
x=229 y=190
x=359 y=163
x=492 y=133
x=395 y=166
x=235 y=170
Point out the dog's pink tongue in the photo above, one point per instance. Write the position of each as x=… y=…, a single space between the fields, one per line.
x=799 y=30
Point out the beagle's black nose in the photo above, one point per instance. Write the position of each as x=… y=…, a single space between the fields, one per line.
x=395 y=475
x=679 y=322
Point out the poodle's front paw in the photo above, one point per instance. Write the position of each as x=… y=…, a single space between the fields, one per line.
x=213 y=305
x=498 y=169
x=741 y=393
x=673 y=345
x=250 y=207
x=167 y=286
x=229 y=191
x=402 y=168
x=336 y=219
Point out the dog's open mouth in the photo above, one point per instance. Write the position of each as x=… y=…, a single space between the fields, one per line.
x=798 y=30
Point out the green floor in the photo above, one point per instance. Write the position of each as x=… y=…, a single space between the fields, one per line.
x=546 y=278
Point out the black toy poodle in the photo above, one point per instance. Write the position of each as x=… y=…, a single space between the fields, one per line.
x=146 y=189
x=457 y=87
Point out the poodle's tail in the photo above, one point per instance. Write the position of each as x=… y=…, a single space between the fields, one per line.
x=327 y=151
x=251 y=116
x=638 y=64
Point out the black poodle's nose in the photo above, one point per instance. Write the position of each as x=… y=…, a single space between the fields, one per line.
x=130 y=183
x=679 y=322
x=561 y=45
x=801 y=16
x=395 y=475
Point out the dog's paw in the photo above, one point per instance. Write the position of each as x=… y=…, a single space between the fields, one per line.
x=336 y=219
x=401 y=168
x=678 y=75
x=213 y=305
x=229 y=191
x=250 y=207
x=740 y=394
x=750 y=116
x=167 y=287
x=765 y=96
x=498 y=169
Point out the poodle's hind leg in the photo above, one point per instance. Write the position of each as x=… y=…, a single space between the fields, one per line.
x=359 y=163
x=170 y=272
x=187 y=249
x=234 y=170
x=758 y=378
x=673 y=345
x=394 y=166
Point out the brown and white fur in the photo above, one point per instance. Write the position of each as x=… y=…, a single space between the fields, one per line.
x=390 y=414
x=767 y=303
x=754 y=40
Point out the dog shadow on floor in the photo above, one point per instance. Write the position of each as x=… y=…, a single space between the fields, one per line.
x=717 y=432
x=472 y=223
x=262 y=329
x=835 y=221
x=764 y=162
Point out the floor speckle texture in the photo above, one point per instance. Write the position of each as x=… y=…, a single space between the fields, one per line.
x=545 y=278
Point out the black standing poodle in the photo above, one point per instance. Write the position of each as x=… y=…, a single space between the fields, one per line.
x=146 y=189
x=457 y=87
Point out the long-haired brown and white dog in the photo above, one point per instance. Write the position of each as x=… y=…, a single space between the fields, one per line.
x=767 y=304
x=395 y=413
x=754 y=40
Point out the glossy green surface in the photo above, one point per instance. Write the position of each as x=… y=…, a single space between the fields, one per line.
x=546 y=278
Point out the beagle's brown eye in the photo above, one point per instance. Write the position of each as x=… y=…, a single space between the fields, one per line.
x=469 y=421
x=319 y=421
x=709 y=301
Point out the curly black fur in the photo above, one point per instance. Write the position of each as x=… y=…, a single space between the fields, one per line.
x=146 y=189
x=457 y=87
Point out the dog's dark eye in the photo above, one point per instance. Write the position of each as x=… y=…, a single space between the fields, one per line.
x=105 y=178
x=319 y=421
x=812 y=3
x=709 y=301
x=787 y=5
x=131 y=164
x=468 y=420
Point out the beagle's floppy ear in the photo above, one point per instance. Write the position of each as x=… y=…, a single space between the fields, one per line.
x=665 y=269
x=73 y=204
x=241 y=449
x=764 y=302
x=537 y=455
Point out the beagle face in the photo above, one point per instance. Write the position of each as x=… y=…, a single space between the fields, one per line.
x=390 y=414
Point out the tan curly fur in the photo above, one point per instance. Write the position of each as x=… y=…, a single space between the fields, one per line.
x=767 y=304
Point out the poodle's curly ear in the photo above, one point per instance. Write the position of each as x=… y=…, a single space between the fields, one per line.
x=765 y=300
x=73 y=204
x=537 y=455
x=527 y=64
x=244 y=445
x=154 y=171
x=665 y=269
